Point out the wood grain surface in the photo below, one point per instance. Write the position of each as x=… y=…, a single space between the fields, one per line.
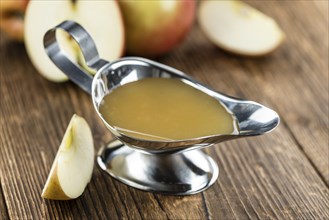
x=3 y=208
x=281 y=175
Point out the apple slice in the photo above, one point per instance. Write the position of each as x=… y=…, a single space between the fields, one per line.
x=102 y=19
x=73 y=165
x=238 y=28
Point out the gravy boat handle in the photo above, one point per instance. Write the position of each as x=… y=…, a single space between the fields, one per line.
x=88 y=48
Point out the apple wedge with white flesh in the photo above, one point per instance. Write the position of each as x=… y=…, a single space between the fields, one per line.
x=73 y=165
x=102 y=19
x=238 y=28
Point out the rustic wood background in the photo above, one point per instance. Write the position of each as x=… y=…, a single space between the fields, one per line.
x=281 y=175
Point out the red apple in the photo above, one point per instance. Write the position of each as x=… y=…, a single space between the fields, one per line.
x=11 y=18
x=155 y=27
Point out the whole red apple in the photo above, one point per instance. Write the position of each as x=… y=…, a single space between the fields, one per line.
x=155 y=27
x=11 y=18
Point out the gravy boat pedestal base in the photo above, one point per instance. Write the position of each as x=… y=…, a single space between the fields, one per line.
x=180 y=173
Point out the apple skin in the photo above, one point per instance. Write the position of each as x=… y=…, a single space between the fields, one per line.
x=155 y=27
x=11 y=18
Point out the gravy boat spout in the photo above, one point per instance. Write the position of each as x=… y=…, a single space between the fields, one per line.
x=174 y=166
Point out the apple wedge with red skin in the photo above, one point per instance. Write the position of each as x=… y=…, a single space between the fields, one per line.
x=102 y=19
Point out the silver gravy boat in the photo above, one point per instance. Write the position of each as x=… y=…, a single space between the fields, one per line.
x=169 y=167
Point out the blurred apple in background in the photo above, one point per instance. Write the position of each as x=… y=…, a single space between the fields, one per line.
x=155 y=27
x=11 y=18
x=147 y=28
x=238 y=28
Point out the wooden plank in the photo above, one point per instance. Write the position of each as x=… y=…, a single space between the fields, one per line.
x=3 y=208
x=303 y=72
x=260 y=177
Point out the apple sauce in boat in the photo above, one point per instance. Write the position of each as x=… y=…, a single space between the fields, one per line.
x=165 y=109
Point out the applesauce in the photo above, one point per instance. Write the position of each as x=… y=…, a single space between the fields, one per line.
x=165 y=109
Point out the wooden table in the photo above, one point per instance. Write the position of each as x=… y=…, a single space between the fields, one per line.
x=281 y=175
